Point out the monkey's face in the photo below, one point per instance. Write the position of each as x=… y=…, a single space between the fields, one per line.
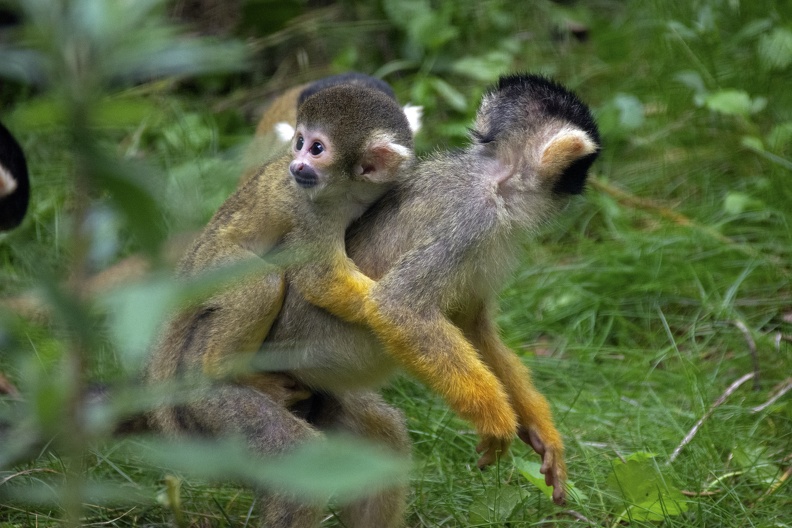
x=314 y=157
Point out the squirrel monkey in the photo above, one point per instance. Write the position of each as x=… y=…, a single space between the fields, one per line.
x=440 y=244
x=350 y=143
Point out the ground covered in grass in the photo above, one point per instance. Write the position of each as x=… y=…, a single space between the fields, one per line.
x=655 y=313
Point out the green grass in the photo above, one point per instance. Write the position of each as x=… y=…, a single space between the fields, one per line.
x=627 y=315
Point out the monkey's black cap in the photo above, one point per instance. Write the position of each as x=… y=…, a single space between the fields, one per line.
x=527 y=101
x=356 y=78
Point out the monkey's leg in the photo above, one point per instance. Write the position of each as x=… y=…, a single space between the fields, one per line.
x=429 y=345
x=533 y=410
x=235 y=321
x=242 y=321
x=270 y=429
x=364 y=414
x=434 y=350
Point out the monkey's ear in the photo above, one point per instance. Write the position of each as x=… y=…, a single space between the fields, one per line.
x=284 y=131
x=565 y=148
x=382 y=160
x=414 y=117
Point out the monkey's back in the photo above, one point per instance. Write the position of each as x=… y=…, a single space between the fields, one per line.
x=438 y=239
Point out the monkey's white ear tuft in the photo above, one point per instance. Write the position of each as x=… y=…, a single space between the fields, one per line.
x=284 y=131
x=382 y=160
x=414 y=117
x=563 y=149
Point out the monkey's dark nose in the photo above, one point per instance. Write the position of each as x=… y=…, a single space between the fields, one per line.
x=303 y=174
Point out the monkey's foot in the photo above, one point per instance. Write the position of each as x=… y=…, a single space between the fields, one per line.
x=491 y=448
x=553 y=466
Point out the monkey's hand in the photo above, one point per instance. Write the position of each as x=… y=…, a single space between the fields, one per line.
x=552 y=452
x=340 y=288
x=491 y=448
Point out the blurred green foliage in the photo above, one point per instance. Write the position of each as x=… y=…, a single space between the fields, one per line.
x=626 y=306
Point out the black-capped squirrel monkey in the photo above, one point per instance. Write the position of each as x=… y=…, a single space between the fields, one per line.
x=440 y=244
x=350 y=143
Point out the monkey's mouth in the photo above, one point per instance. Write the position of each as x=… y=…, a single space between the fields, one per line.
x=304 y=174
x=306 y=180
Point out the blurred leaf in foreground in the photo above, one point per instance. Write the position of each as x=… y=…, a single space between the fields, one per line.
x=775 y=49
x=338 y=466
x=734 y=102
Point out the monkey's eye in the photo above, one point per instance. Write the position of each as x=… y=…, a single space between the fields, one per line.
x=300 y=142
x=316 y=149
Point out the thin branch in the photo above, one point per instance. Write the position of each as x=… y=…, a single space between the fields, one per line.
x=687 y=493
x=752 y=348
x=26 y=472
x=785 y=387
x=578 y=516
x=728 y=392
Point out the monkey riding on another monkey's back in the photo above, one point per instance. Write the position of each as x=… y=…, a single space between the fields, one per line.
x=350 y=142
x=441 y=244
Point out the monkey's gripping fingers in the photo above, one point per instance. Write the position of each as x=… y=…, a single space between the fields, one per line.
x=341 y=290
x=491 y=449
x=553 y=466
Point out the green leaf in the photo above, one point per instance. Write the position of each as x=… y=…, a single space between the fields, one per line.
x=681 y=30
x=756 y=464
x=735 y=202
x=338 y=466
x=135 y=313
x=631 y=111
x=753 y=29
x=752 y=143
x=780 y=136
x=691 y=79
x=484 y=68
x=775 y=49
x=50 y=491
x=647 y=495
x=350 y=468
x=733 y=102
x=426 y=27
x=496 y=506
x=132 y=188
x=450 y=95
x=530 y=470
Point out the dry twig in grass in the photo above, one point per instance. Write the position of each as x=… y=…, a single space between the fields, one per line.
x=781 y=389
x=752 y=348
x=728 y=392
